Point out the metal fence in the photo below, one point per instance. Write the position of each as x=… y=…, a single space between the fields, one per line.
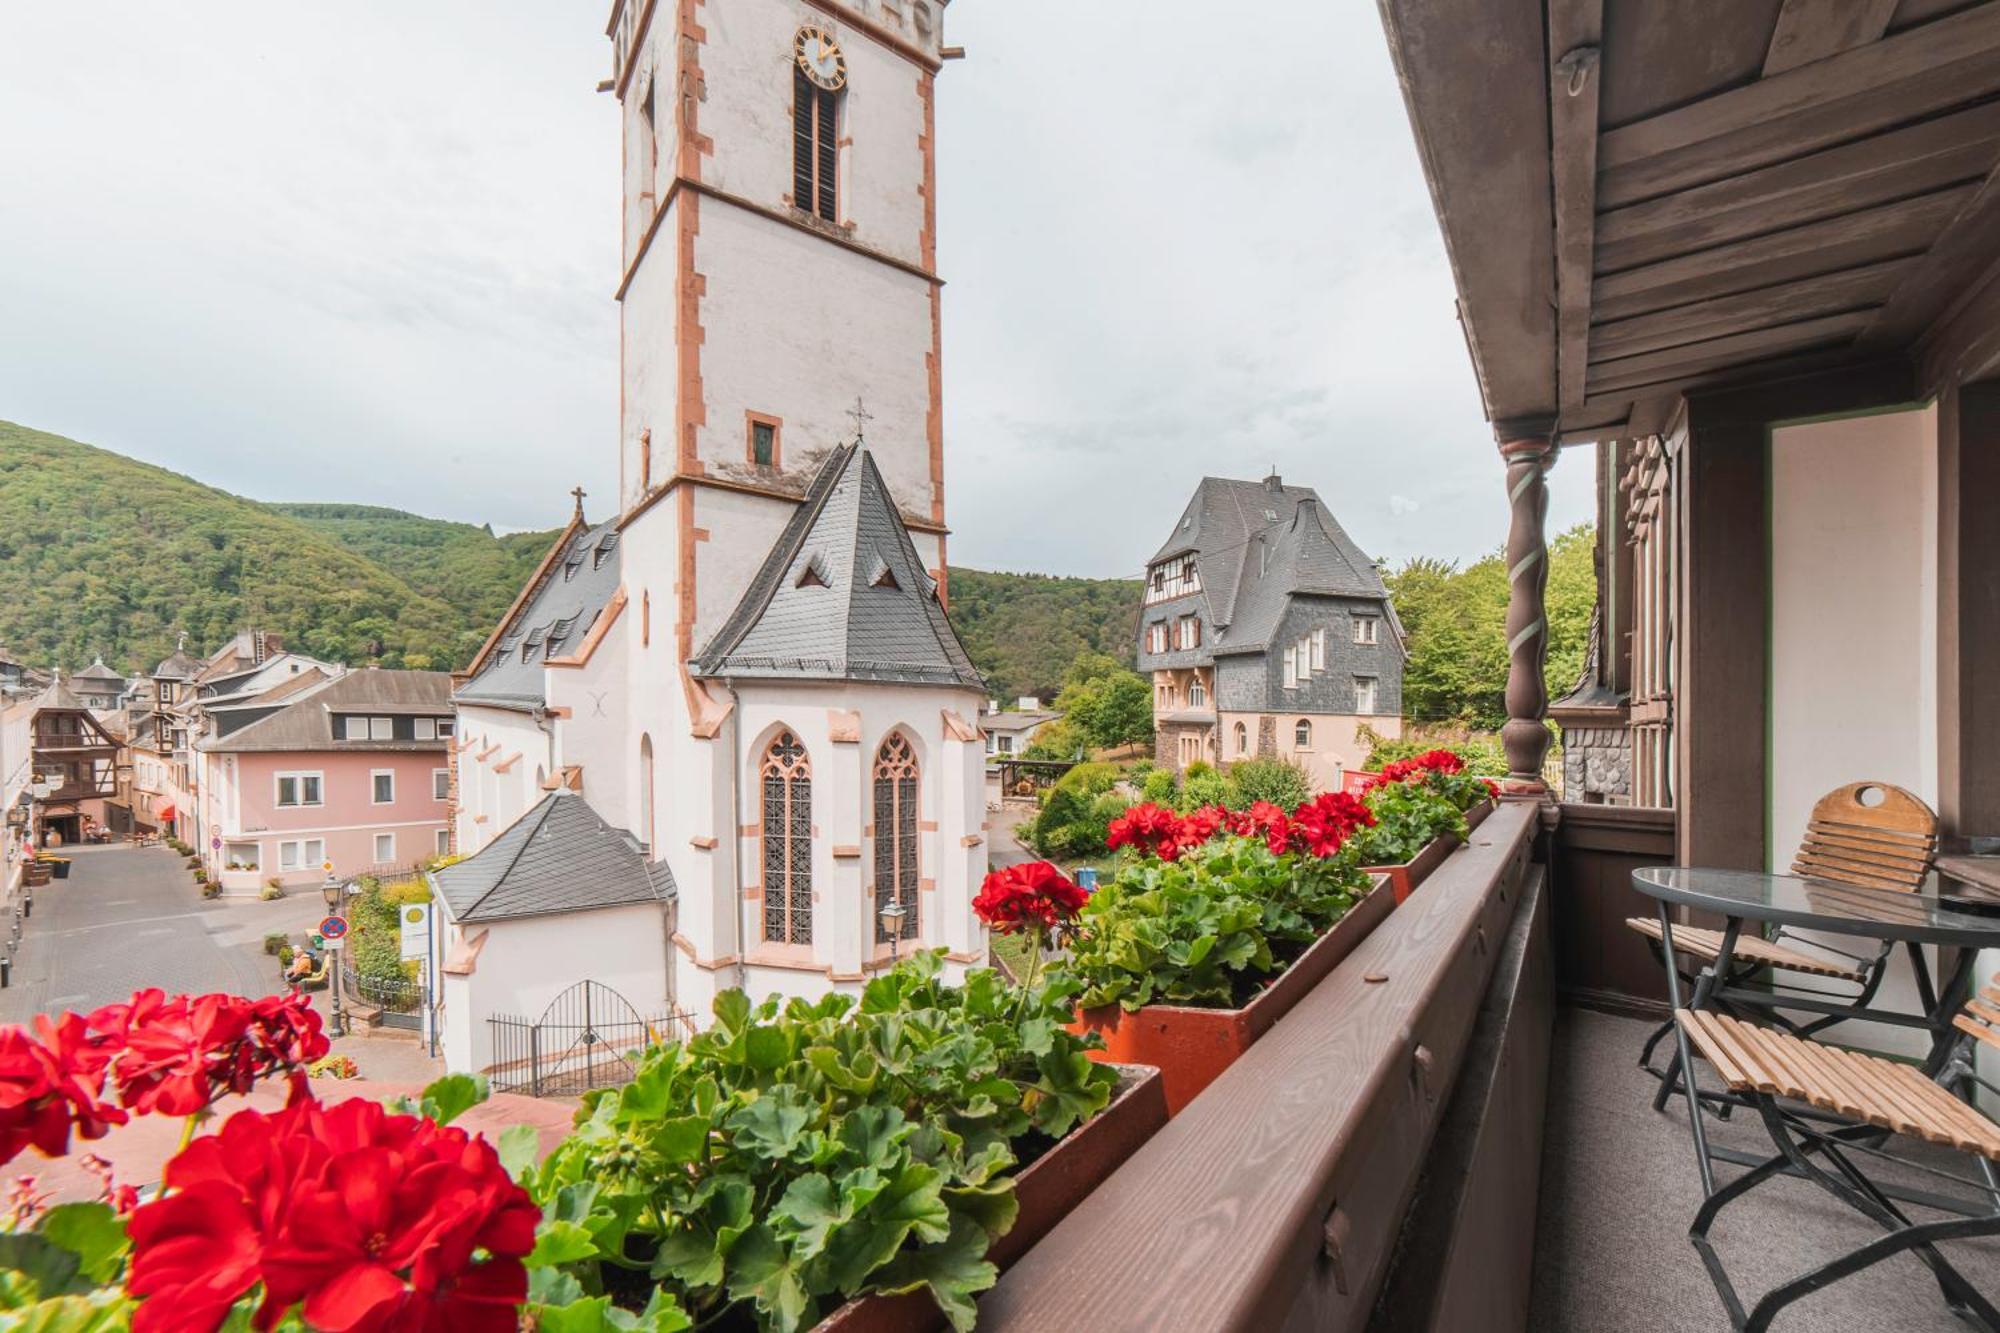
x=401 y=1000
x=585 y=1039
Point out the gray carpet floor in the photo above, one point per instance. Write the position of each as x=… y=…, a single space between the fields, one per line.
x=1619 y=1188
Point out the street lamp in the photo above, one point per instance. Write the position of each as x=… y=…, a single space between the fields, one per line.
x=330 y=893
x=892 y=921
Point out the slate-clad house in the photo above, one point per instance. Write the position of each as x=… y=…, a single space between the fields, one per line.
x=1268 y=634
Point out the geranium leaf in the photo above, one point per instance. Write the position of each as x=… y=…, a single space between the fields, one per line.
x=518 y=1147
x=761 y=1269
x=771 y=1126
x=732 y=1011
x=993 y=1206
x=93 y=1233
x=107 y=1311
x=558 y=1243
x=690 y=1257
x=809 y=1210
x=871 y=1134
x=955 y=1271
x=767 y=1049
x=447 y=1098
x=48 y=1268
x=682 y=1139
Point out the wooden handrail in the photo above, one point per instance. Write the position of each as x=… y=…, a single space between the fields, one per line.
x=1281 y=1189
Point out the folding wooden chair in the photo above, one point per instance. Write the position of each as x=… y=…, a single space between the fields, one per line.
x=1851 y=838
x=1872 y=1095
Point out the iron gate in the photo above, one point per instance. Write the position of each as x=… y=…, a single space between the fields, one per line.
x=400 y=1000
x=585 y=1039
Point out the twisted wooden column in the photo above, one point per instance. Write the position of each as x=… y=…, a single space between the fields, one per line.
x=1526 y=735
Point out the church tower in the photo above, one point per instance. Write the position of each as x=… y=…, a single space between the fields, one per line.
x=782 y=479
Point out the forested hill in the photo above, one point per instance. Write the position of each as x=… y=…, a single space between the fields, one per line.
x=1023 y=630
x=100 y=553
x=468 y=567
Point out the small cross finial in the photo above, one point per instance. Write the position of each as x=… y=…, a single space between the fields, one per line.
x=861 y=416
x=579 y=493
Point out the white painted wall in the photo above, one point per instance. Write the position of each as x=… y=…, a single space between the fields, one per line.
x=489 y=801
x=1853 y=628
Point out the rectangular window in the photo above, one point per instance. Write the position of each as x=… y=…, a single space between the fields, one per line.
x=447 y=728
x=1364 y=694
x=1291 y=668
x=1176 y=578
x=1190 y=632
x=299 y=789
x=440 y=784
x=762 y=441
x=427 y=729
x=1156 y=637
x=308 y=854
x=444 y=842
x=1319 y=650
x=1006 y=744
x=385 y=848
x=1366 y=628
x=381 y=729
x=815 y=151
x=241 y=856
x=382 y=786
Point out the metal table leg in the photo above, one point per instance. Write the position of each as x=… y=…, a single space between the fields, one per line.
x=1683 y=1062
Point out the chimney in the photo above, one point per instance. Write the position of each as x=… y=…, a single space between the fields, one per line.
x=1274 y=483
x=257 y=648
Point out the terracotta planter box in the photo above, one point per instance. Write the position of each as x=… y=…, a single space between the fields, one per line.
x=1405 y=878
x=1191 y=1047
x=1056 y=1183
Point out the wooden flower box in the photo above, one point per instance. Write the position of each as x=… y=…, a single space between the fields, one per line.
x=1406 y=877
x=1191 y=1047
x=1055 y=1183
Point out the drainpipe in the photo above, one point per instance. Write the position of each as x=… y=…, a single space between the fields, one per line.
x=736 y=828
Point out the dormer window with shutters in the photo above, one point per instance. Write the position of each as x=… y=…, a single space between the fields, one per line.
x=1173 y=578
x=815 y=147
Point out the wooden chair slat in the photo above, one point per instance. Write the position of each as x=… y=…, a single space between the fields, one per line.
x=1910 y=870
x=1979 y=1030
x=1982 y=1010
x=1861 y=1087
x=1898 y=811
x=1816 y=866
x=1874 y=849
x=1699 y=942
x=1860 y=834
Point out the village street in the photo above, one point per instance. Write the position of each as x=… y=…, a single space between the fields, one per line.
x=129 y=917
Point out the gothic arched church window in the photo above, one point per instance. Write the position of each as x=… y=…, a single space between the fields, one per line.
x=815 y=152
x=896 y=835
x=787 y=841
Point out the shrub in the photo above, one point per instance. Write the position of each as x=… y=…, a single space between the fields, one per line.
x=793 y=1156
x=1197 y=769
x=286 y=953
x=211 y=890
x=270 y=893
x=406 y=892
x=1207 y=787
x=1275 y=780
x=1160 y=787
x=1482 y=753
x=1090 y=779
x=276 y=941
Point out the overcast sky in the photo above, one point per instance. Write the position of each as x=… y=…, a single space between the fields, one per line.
x=366 y=252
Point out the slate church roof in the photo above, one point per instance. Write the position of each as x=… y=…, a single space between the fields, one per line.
x=560 y=856
x=576 y=582
x=842 y=595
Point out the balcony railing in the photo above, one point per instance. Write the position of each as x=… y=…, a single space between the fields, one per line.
x=1282 y=1197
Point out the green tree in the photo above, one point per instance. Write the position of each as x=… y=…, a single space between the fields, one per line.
x=1109 y=703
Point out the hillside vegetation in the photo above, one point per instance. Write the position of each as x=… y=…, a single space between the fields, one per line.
x=1024 y=630
x=103 y=554
x=467 y=567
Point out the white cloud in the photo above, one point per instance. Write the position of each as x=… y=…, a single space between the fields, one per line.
x=367 y=253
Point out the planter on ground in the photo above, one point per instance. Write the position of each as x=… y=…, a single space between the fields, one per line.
x=1047 y=1191
x=1405 y=878
x=1190 y=1046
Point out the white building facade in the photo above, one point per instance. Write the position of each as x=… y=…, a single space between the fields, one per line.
x=753 y=673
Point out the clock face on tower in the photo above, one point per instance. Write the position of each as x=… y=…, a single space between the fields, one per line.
x=819 y=56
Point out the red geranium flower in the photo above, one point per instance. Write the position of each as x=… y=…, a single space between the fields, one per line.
x=1267 y=821
x=371 y=1220
x=1199 y=827
x=1321 y=826
x=50 y=1083
x=176 y=1055
x=1034 y=895
x=1150 y=827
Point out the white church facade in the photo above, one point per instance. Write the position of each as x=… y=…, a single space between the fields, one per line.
x=746 y=674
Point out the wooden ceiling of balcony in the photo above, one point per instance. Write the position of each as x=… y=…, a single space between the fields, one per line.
x=1642 y=198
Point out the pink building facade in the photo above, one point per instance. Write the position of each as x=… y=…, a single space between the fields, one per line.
x=355 y=773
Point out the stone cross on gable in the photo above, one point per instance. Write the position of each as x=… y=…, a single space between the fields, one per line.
x=579 y=493
x=861 y=416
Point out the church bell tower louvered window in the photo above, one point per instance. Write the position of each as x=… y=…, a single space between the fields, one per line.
x=787 y=842
x=815 y=146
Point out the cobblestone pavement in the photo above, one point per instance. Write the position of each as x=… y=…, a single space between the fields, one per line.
x=129 y=917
